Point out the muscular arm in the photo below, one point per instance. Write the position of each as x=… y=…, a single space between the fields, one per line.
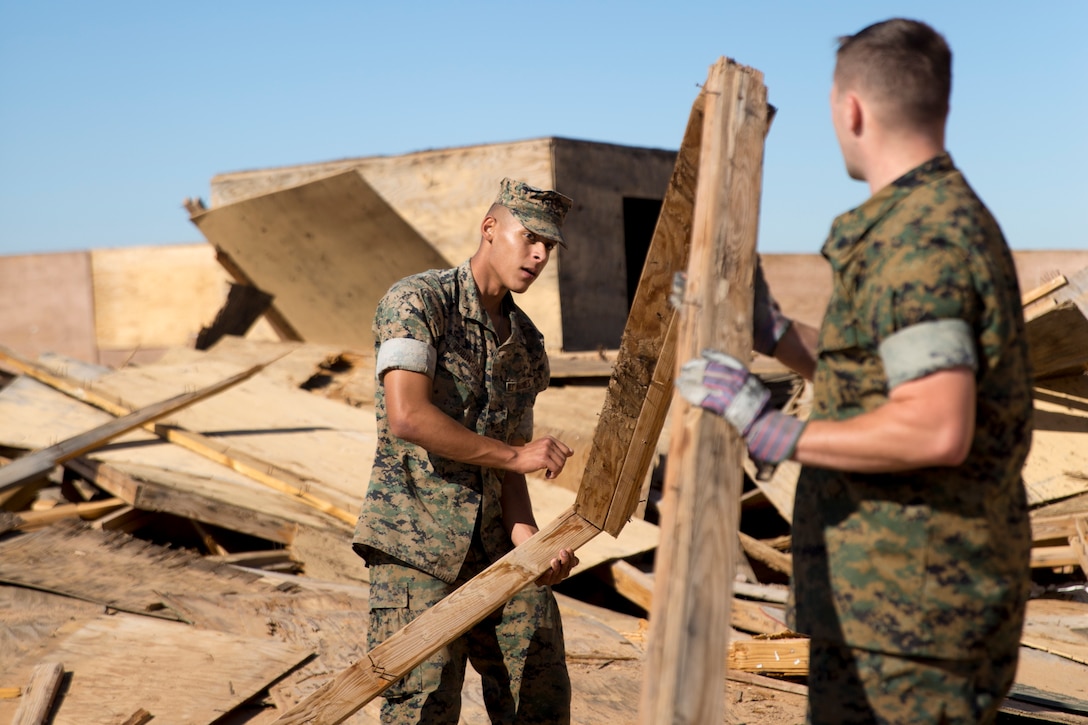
x=413 y=417
x=929 y=421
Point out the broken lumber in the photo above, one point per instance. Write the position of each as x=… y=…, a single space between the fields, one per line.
x=704 y=479
x=40 y=693
x=450 y=618
x=42 y=461
x=264 y=472
x=774 y=656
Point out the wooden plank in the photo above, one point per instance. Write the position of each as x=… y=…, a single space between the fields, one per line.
x=40 y=693
x=225 y=502
x=631 y=582
x=770 y=556
x=352 y=688
x=1079 y=542
x=42 y=461
x=1043 y=290
x=704 y=478
x=773 y=656
x=1058 y=340
x=83 y=510
x=326 y=251
x=640 y=387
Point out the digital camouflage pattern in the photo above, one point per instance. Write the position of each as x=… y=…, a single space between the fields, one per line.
x=429 y=523
x=932 y=562
x=538 y=210
x=518 y=651
x=850 y=686
x=421 y=508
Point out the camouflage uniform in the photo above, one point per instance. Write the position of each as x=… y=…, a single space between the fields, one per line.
x=927 y=566
x=430 y=523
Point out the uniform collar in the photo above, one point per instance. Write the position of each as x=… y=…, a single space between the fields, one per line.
x=849 y=228
x=471 y=308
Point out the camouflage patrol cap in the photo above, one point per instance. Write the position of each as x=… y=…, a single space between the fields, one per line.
x=540 y=211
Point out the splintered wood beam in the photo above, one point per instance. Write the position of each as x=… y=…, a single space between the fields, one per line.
x=640 y=389
x=41 y=462
x=261 y=471
x=83 y=510
x=40 y=693
x=433 y=629
x=701 y=505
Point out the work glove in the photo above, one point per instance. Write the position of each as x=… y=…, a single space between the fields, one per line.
x=768 y=322
x=722 y=384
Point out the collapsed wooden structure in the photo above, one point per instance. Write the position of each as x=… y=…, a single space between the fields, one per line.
x=270 y=461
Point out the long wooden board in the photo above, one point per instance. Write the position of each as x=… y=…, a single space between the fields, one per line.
x=701 y=506
x=326 y=250
x=42 y=461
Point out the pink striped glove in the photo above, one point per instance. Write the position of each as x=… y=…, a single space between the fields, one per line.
x=721 y=384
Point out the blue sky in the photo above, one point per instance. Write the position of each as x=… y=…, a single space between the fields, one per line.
x=111 y=113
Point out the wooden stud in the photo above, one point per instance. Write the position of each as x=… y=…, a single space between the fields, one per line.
x=40 y=693
x=688 y=627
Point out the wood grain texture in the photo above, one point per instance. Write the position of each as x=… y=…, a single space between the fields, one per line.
x=701 y=510
x=327 y=251
x=42 y=461
x=453 y=616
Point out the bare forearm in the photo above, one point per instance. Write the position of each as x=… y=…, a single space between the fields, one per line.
x=517 y=508
x=797 y=349
x=929 y=422
x=428 y=427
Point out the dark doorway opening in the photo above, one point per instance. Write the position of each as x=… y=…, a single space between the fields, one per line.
x=639 y=220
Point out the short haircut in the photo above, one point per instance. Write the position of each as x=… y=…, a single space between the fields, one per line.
x=905 y=65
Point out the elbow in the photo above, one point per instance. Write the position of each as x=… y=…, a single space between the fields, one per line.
x=950 y=446
x=404 y=427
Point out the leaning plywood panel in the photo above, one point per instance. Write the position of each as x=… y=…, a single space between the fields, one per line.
x=326 y=251
x=47 y=304
x=443 y=194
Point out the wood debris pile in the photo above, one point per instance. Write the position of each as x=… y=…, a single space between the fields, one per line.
x=191 y=563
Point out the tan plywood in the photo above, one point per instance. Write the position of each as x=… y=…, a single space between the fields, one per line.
x=47 y=304
x=442 y=194
x=326 y=251
x=155 y=297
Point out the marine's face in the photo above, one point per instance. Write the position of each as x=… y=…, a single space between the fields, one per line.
x=518 y=255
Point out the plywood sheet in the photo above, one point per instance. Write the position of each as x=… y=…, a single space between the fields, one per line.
x=120 y=664
x=155 y=297
x=47 y=304
x=1057 y=465
x=443 y=194
x=326 y=251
